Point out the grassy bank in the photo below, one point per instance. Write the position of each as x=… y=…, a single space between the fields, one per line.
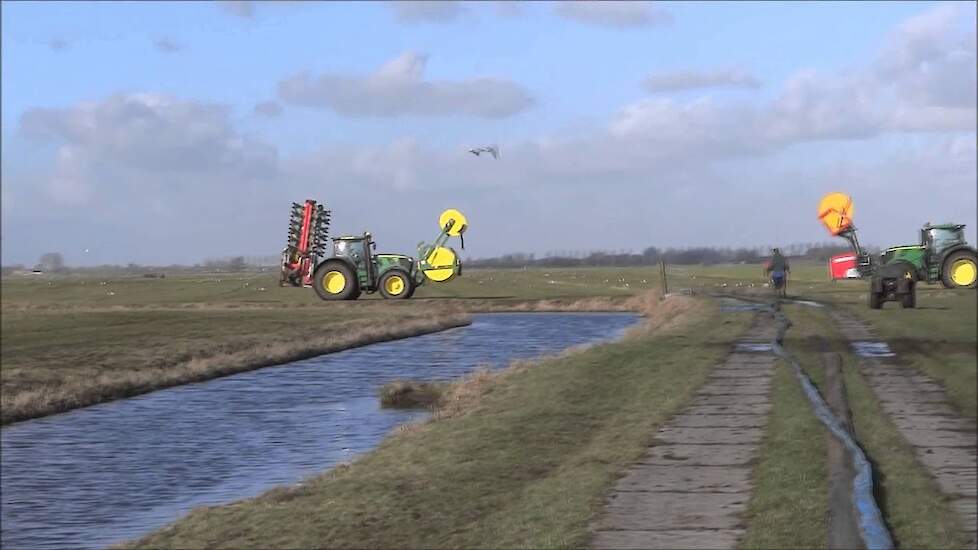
x=73 y=341
x=85 y=367
x=412 y=394
x=525 y=458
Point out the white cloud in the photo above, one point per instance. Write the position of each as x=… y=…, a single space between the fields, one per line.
x=689 y=80
x=238 y=8
x=931 y=59
x=915 y=85
x=613 y=13
x=268 y=109
x=703 y=161
x=398 y=88
x=152 y=138
x=422 y=11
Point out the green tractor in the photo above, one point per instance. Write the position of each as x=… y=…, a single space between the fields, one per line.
x=354 y=267
x=943 y=256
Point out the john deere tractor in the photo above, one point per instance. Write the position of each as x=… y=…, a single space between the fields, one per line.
x=354 y=267
x=942 y=256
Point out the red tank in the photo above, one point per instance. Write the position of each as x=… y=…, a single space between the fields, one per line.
x=843 y=266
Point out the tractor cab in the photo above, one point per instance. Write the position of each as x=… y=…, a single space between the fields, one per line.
x=355 y=248
x=938 y=238
x=358 y=251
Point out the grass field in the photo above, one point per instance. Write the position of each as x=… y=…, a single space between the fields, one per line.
x=526 y=464
x=529 y=459
x=71 y=341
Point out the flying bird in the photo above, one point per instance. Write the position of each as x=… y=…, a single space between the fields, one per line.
x=491 y=149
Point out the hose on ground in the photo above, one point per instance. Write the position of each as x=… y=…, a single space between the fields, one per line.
x=872 y=528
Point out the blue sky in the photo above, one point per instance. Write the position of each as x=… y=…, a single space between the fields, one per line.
x=587 y=139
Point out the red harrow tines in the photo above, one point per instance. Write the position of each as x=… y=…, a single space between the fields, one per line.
x=308 y=237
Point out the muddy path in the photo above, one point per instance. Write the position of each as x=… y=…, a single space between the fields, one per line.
x=693 y=486
x=943 y=440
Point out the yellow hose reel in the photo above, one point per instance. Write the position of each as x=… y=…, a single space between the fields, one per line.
x=442 y=262
x=836 y=212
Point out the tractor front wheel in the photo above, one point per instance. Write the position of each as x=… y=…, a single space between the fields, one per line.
x=395 y=284
x=335 y=280
x=960 y=270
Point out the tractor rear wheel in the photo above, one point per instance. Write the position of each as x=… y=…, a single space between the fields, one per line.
x=960 y=270
x=396 y=284
x=875 y=300
x=335 y=280
x=909 y=300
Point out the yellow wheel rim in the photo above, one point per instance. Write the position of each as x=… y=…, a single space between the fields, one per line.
x=444 y=260
x=394 y=285
x=964 y=272
x=334 y=282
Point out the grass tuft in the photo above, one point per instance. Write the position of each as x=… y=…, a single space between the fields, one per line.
x=411 y=394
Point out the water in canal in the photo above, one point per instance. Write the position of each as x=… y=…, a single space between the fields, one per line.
x=99 y=475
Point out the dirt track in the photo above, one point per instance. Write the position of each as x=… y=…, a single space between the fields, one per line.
x=694 y=483
x=943 y=440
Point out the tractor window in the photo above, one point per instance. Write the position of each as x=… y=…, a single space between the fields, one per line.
x=943 y=238
x=341 y=248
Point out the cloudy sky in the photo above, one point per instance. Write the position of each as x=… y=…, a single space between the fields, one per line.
x=171 y=132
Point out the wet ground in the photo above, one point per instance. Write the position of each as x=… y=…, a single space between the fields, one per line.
x=99 y=475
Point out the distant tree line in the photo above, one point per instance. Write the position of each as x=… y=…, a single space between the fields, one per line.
x=702 y=255
x=53 y=262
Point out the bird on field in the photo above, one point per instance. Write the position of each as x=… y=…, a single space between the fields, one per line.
x=491 y=149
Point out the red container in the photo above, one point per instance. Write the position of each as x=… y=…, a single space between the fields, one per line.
x=843 y=266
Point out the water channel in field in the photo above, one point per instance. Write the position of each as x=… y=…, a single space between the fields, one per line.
x=99 y=475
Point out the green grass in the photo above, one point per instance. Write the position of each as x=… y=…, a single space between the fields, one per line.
x=789 y=505
x=938 y=337
x=528 y=464
x=70 y=341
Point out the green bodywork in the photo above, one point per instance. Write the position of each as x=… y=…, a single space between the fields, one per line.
x=928 y=256
x=356 y=250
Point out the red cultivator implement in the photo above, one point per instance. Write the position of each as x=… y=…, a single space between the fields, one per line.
x=308 y=236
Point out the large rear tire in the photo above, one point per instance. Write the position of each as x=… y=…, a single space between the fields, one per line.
x=909 y=300
x=875 y=300
x=395 y=284
x=960 y=270
x=335 y=280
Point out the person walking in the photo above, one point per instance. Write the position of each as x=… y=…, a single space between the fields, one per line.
x=777 y=269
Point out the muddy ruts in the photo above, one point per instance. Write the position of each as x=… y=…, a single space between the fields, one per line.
x=872 y=528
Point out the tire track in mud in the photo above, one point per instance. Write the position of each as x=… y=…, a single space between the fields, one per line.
x=692 y=487
x=943 y=441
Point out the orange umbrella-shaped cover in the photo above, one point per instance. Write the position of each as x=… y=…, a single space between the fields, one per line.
x=836 y=212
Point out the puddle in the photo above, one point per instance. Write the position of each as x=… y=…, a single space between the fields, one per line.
x=872 y=349
x=805 y=303
x=733 y=305
x=741 y=307
x=753 y=347
x=93 y=477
